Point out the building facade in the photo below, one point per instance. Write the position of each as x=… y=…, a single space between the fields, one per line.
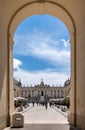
x=41 y=92
x=17 y=88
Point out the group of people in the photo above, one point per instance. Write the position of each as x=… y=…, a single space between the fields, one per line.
x=43 y=104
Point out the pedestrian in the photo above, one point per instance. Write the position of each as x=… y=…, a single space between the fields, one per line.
x=37 y=103
x=46 y=105
x=50 y=104
x=33 y=104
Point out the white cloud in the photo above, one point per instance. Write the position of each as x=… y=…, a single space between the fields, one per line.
x=43 y=47
x=51 y=54
x=66 y=43
x=50 y=76
x=32 y=78
x=16 y=64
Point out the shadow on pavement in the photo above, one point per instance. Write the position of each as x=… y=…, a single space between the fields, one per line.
x=45 y=127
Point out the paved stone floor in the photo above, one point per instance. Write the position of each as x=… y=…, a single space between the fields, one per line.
x=40 y=118
x=41 y=115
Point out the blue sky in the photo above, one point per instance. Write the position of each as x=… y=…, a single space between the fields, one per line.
x=42 y=50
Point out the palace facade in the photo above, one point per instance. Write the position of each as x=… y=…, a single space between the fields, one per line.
x=41 y=92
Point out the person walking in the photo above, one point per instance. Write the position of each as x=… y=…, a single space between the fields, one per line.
x=46 y=105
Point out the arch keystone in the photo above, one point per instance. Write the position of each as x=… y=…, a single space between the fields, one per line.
x=41 y=1
x=41 y=6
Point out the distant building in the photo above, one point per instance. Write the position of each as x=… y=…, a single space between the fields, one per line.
x=41 y=92
x=17 y=88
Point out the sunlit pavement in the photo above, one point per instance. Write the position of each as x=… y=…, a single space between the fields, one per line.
x=40 y=118
x=41 y=115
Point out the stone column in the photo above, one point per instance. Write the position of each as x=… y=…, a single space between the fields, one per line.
x=72 y=114
x=3 y=78
x=10 y=80
x=80 y=89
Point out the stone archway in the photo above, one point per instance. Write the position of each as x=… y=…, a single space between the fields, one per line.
x=57 y=10
x=65 y=10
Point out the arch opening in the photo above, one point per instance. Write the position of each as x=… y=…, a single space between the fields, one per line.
x=54 y=95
